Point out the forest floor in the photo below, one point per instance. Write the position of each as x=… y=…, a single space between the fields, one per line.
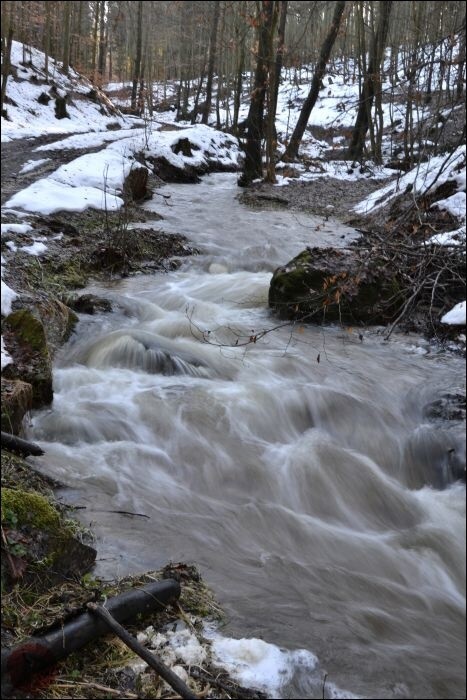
x=326 y=197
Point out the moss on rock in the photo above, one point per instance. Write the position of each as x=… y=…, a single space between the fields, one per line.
x=48 y=541
x=28 y=329
x=31 y=358
x=328 y=284
x=59 y=322
x=32 y=509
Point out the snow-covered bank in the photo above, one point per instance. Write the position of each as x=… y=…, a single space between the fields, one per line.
x=31 y=95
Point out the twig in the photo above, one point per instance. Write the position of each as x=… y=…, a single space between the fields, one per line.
x=123 y=512
x=14 y=570
x=151 y=659
x=97 y=686
x=324 y=685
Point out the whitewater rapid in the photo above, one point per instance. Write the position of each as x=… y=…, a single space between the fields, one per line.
x=303 y=473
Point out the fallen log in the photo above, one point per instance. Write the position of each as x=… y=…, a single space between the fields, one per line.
x=17 y=444
x=149 y=657
x=37 y=653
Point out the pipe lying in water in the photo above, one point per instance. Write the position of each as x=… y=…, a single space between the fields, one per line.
x=37 y=653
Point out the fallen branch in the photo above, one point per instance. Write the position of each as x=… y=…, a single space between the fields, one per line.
x=17 y=444
x=151 y=659
x=97 y=686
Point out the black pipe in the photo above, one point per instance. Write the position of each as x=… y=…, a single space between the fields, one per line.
x=36 y=653
x=17 y=444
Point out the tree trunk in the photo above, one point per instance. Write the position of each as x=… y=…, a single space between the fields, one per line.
x=6 y=65
x=371 y=80
x=211 y=63
x=194 y=114
x=279 y=55
x=253 y=167
x=66 y=36
x=291 y=151
x=271 y=139
x=46 y=40
x=239 y=83
x=220 y=71
x=101 y=58
x=94 y=37
x=137 y=63
x=461 y=64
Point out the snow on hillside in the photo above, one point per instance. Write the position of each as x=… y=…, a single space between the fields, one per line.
x=437 y=170
x=88 y=108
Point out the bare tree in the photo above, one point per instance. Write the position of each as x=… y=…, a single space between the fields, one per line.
x=137 y=61
x=66 y=35
x=291 y=151
x=253 y=167
x=371 y=82
x=212 y=60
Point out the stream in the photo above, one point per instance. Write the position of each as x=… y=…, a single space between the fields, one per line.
x=302 y=473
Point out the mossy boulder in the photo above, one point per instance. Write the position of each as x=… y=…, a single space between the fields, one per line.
x=29 y=508
x=16 y=402
x=48 y=540
x=26 y=340
x=58 y=321
x=329 y=284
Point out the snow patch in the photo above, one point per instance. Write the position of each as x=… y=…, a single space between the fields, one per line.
x=33 y=165
x=8 y=297
x=456 y=316
x=6 y=357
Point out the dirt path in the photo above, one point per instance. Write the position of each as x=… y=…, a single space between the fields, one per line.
x=18 y=152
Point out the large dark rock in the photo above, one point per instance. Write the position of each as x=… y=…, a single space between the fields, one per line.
x=171 y=173
x=329 y=284
x=58 y=321
x=16 y=402
x=26 y=341
x=135 y=185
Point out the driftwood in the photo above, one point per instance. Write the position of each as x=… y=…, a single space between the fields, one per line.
x=17 y=444
x=37 y=653
x=151 y=659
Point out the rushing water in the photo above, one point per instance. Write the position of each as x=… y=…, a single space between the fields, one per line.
x=300 y=472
